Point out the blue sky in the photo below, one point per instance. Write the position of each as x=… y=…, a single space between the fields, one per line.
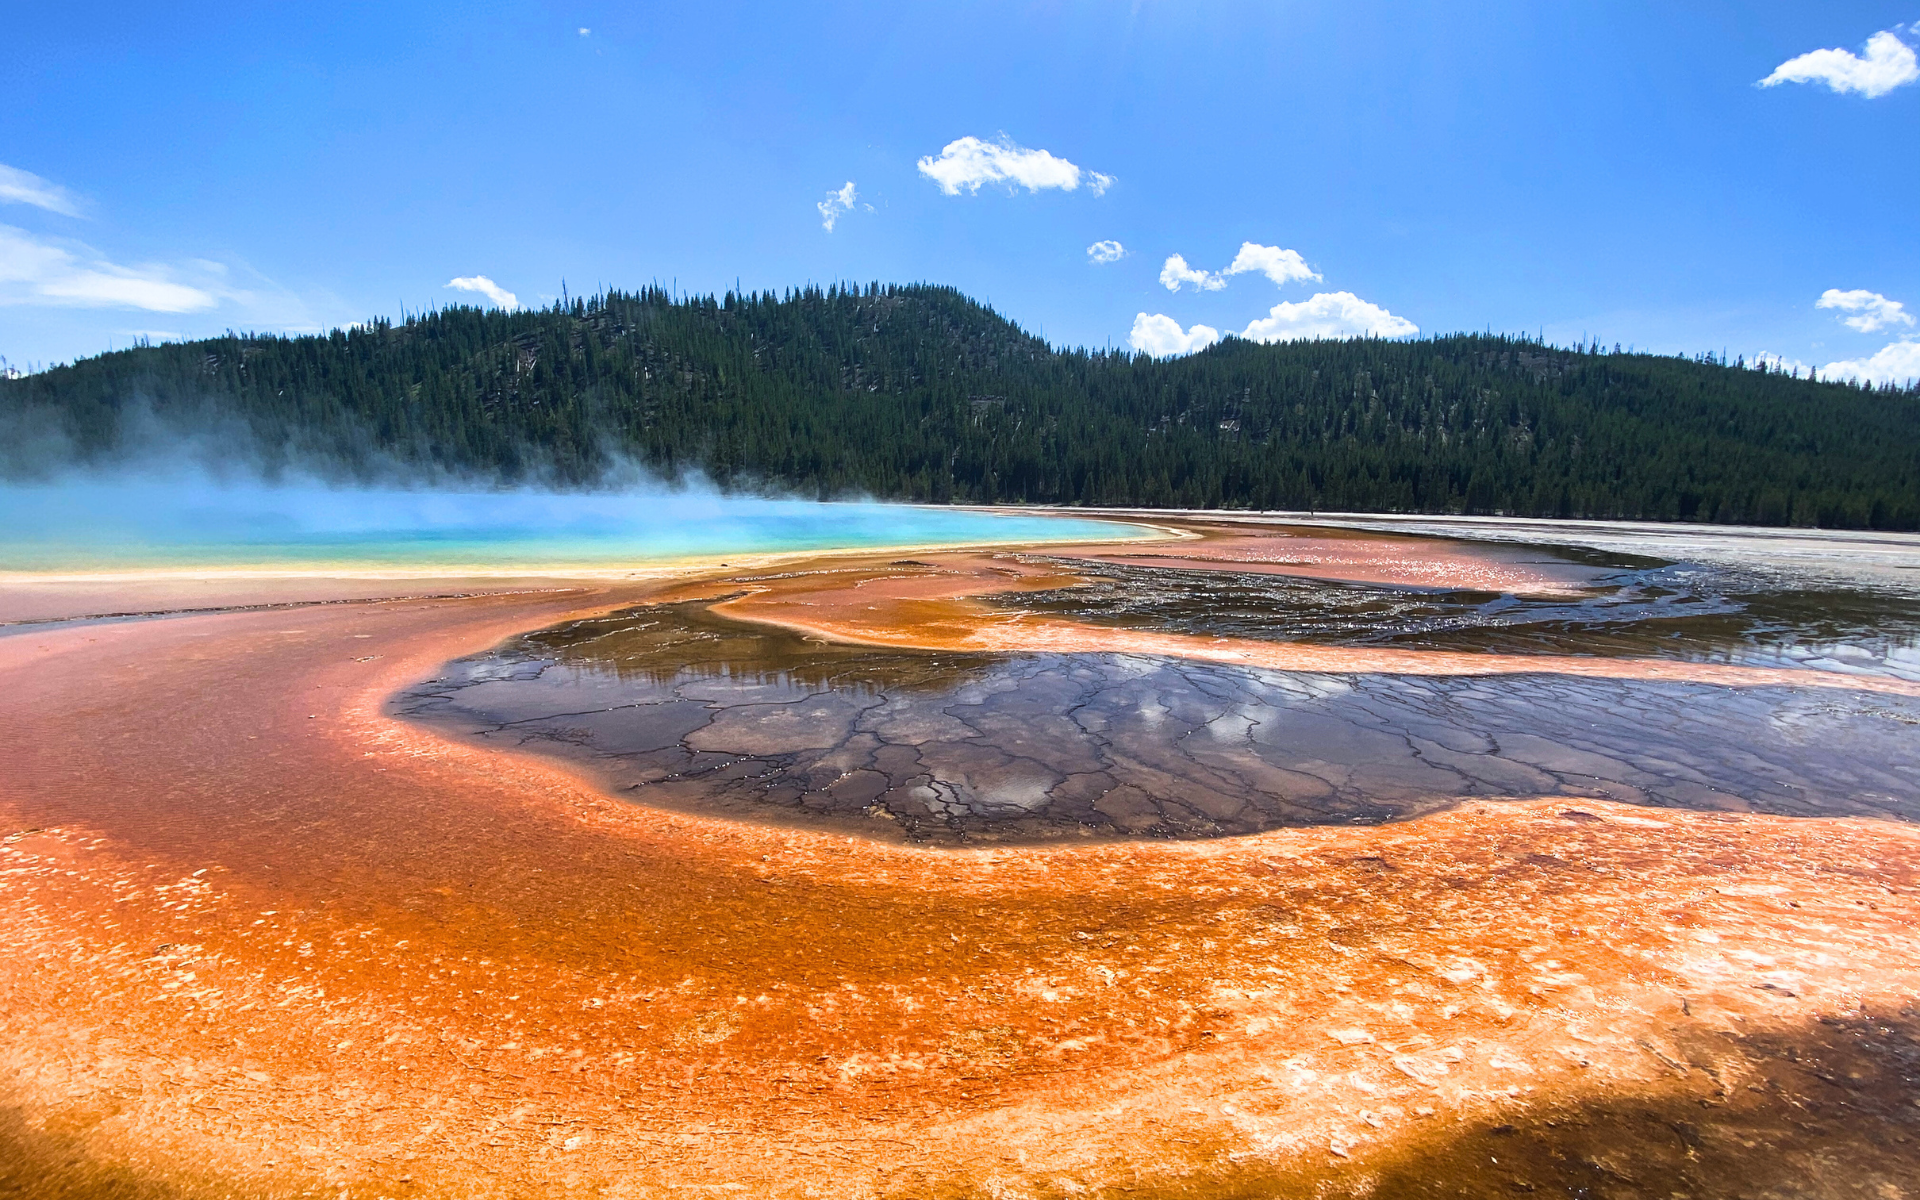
x=1603 y=170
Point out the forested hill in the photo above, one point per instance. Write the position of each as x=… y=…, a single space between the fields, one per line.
x=920 y=393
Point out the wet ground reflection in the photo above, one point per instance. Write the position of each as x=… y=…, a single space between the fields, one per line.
x=682 y=708
x=1637 y=607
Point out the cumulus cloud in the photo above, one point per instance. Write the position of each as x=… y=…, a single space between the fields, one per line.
x=836 y=205
x=1281 y=266
x=1889 y=63
x=35 y=270
x=1871 y=311
x=1896 y=363
x=485 y=287
x=1328 y=315
x=1161 y=336
x=1106 y=252
x=1324 y=315
x=969 y=164
x=1176 y=272
x=24 y=187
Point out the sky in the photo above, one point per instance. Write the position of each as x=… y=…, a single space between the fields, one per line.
x=1678 y=178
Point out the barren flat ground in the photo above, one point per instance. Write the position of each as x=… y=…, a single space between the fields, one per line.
x=386 y=896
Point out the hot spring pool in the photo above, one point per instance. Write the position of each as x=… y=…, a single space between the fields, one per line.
x=142 y=526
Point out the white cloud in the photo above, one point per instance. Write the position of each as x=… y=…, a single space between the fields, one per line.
x=1328 y=315
x=1106 y=252
x=836 y=205
x=1325 y=315
x=24 y=187
x=1281 y=266
x=1161 y=336
x=1176 y=272
x=1871 y=311
x=1898 y=363
x=486 y=287
x=970 y=163
x=1777 y=362
x=1888 y=64
x=51 y=272
x=40 y=271
x=585 y=32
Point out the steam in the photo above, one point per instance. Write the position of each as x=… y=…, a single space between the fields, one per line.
x=199 y=488
x=213 y=498
x=189 y=521
x=139 y=439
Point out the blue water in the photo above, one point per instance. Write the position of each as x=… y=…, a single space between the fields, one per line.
x=123 y=526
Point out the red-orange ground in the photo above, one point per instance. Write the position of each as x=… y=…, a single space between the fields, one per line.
x=263 y=940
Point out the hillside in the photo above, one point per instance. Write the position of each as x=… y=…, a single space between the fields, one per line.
x=920 y=393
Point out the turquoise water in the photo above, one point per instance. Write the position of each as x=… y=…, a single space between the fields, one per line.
x=122 y=526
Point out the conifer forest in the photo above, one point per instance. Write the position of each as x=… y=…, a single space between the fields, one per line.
x=920 y=393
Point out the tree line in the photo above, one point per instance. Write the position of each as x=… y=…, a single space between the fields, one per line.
x=920 y=393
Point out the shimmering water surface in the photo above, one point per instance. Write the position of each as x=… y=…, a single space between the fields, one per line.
x=1626 y=606
x=197 y=524
x=675 y=706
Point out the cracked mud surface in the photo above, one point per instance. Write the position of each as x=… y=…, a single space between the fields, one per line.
x=681 y=707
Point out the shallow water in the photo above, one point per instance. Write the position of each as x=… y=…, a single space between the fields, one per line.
x=197 y=524
x=682 y=708
x=1626 y=606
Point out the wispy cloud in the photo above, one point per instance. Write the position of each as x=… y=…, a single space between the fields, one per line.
x=1176 y=272
x=1888 y=63
x=1106 y=252
x=1897 y=362
x=24 y=187
x=1328 y=315
x=38 y=270
x=836 y=205
x=970 y=163
x=1281 y=266
x=1871 y=311
x=44 y=271
x=485 y=287
x=1161 y=336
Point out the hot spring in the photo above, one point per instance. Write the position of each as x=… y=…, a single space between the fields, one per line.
x=196 y=525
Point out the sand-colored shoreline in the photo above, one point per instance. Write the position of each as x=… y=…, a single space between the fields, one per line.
x=40 y=596
x=1853 y=556
x=272 y=942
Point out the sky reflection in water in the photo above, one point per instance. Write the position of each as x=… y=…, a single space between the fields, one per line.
x=676 y=706
x=1629 y=607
